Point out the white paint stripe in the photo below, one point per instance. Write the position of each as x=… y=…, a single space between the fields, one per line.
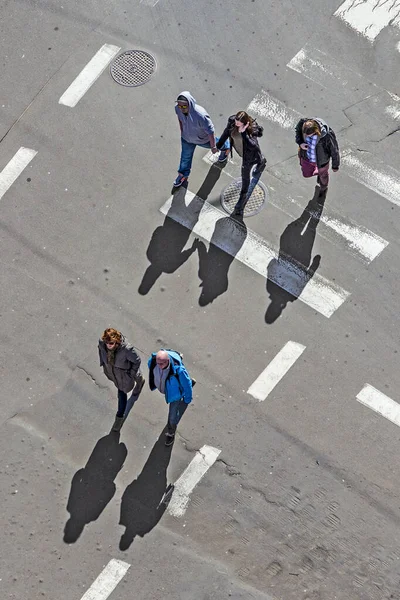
x=277 y=368
x=361 y=241
x=328 y=72
x=14 y=168
x=201 y=217
x=380 y=403
x=274 y=110
x=194 y=472
x=107 y=581
x=88 y=75
x=149 y=2
x=385 y=181
x=369 y=17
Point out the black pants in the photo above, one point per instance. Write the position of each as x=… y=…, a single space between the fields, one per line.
x=246 y=176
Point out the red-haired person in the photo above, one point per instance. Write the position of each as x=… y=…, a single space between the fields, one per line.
x=317 y=146
x=121 y=364
x=243 y=133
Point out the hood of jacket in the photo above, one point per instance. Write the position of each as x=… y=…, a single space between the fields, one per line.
x=324 y=127
x=192 y=101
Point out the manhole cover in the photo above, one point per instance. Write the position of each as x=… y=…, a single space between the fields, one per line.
x=230 y=196
x=133 y=68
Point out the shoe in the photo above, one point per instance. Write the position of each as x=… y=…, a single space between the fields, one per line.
x=169 y=439
x=117 y=424
x=223 y=156
x=179 y=180
x=193 y=382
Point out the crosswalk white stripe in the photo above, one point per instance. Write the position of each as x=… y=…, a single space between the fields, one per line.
x=328 y=72
x=272 y=109
x=107 y=581
x=364 y=243
x=194 y=472
x=14 y=168
x=380 y=403
x=276 y=369
x=201 y=217
x=369 y=17
x=384 y=180
x=89 y=74
x=361 y=241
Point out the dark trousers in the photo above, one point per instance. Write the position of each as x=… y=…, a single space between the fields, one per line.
x=247 y=175
x=123 y=397
x=175 y=412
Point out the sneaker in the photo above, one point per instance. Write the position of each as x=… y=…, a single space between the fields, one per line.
x=117 y=424
x=169 y=439
x=223 y=156
x=193 y=382
x=179 y=180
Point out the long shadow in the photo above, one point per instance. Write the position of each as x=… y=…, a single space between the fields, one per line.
x=294 y=260
x=214 y=264
x=141 y=504
x=166 y=248
x=93 y=487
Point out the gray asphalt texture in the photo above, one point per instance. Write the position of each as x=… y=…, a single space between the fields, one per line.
x=303 y=502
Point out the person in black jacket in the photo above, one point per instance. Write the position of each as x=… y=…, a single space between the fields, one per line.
x=243 y=131
x=317 y=145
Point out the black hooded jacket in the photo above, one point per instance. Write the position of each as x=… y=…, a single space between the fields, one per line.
x=327 y=146
x=251 y=149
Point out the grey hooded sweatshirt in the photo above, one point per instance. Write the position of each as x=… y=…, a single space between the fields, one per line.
x=197 y=125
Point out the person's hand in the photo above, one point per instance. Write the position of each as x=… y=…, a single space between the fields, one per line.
x=214 y=150
x=243 y=127
x=304 y=146
x=335 y=170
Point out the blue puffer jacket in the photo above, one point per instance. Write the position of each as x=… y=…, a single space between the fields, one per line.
x=178 y=383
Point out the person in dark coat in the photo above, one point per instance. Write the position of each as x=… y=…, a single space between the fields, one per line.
x=243 y=133
x=121 y=365
x=317 y=146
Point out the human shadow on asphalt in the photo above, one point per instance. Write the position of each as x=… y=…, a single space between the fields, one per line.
x=166 y=248
x=93 y=487
x=294 y=261
x=142 y=503
x=214 y=263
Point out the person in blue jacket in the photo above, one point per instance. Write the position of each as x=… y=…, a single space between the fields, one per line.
x=168 y=375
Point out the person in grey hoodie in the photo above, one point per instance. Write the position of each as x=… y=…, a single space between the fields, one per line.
x=317 y=146
x=197 y=129
x=121 y=365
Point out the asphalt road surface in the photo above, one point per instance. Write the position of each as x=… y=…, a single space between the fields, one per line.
x=289 y=323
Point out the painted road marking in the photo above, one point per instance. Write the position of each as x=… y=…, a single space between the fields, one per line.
x=380 y=403
x=88 y=75
x=149 y=2
x=268 y=107
x=384 y=180
x=14 y=168
x=194 y=472
x=277 y=368
x=253 y=251
x=328 y=72
x=360 y=241
x=107 y=581
x=369 y=17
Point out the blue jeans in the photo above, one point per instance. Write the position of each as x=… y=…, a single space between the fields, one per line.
x=175 y=412
x=187 y=154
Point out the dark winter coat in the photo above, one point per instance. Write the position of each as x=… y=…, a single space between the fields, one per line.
x=327 y=146
x=124 y=371
x=251 y=149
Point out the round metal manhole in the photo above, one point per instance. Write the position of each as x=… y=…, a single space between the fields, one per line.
x=230 y=196
x=133 y=68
